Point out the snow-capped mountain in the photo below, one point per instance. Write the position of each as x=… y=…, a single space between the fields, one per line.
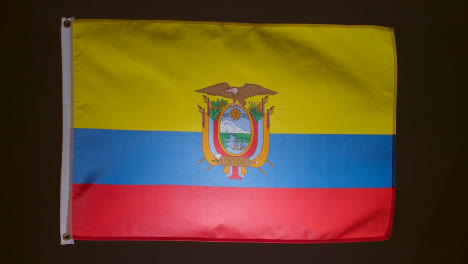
x=230 y=127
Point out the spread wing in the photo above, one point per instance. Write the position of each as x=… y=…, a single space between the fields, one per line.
x=250 y=89
x=217 y=89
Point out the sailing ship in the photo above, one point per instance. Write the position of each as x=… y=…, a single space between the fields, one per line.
x=238 y=145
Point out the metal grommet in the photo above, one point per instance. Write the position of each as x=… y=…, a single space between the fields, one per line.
x=67 y=23
x=66 y=236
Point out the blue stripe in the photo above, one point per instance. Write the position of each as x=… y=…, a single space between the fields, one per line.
x=171 y=158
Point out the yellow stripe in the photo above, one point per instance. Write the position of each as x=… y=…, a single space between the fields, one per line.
x=142 y=75
x=395 y=83
x=233 y=23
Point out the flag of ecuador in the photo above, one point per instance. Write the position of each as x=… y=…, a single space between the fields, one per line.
x=213 y=131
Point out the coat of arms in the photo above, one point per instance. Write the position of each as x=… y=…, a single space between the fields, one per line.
x=236 y=134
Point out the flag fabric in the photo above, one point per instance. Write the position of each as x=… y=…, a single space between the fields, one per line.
x=212 y=131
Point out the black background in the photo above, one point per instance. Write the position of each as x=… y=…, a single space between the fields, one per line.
x=431 y=161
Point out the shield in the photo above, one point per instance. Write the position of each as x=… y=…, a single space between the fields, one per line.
x=235 y=136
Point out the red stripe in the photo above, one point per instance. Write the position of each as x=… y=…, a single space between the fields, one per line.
x=175 y=212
